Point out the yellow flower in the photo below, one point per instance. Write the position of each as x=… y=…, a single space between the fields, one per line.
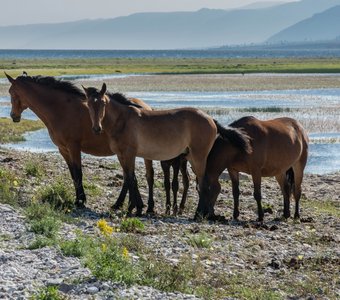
x=125 y=253
x=300 y=257
x=15 y=183
x=104 y=227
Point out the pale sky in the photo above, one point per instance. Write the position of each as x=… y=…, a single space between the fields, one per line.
x=17 y=12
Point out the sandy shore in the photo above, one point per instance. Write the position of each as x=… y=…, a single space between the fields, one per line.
x=219 y=82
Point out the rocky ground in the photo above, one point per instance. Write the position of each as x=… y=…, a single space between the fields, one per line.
x=241 y=260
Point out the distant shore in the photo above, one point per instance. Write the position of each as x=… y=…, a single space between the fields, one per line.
x=209 y=82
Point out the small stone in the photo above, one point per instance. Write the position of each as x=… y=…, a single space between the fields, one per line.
x=92 y=290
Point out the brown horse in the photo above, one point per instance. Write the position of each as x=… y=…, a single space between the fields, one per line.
x=61 y=106
x=156 y=135
x=280 y=149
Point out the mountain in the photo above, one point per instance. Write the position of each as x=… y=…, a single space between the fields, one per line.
x=264 y=4
x=200 y=29
x=321 y=26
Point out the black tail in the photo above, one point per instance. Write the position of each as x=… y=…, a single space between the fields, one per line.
x=290 y=180
x=236 y=136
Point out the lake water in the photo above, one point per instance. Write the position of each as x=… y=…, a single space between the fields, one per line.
x=324 y=154
x=236 y=52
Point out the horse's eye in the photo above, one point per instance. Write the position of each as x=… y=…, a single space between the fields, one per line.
x=95 y=100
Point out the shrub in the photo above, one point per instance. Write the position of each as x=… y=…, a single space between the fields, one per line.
x=48 y=293
x=201 y=240
x=34 y=169
x=131 y=225
x=58 y=195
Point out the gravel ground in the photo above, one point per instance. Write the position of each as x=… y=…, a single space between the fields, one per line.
x=296 y=260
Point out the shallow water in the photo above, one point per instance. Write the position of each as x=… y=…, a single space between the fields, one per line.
x=324 y=152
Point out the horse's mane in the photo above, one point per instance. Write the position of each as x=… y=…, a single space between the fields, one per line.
x=120 y=98
x=52 y=82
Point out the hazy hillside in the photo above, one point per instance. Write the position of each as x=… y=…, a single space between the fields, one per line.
x=322 y=26
x=203 y=28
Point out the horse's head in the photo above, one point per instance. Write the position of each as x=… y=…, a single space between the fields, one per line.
x=96 y=102
x=17 y=101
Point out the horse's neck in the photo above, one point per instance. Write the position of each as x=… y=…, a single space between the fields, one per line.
x=42 y=103
x=115 y=112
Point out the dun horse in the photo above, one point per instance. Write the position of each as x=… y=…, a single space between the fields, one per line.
x=178 y=164
x=280 y=149
x=61 y=106
x=157 y=135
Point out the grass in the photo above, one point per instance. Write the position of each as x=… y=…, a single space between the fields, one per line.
x=131 y=225
x=323 y=207
x=58 y=195
x=56 y=67
x=48 y=293
x=34 y=168
x=13 y=132
x=200 y=240
x=8 y=187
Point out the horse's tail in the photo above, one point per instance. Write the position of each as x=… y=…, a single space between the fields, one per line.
x=290 y=180
x=236 y=136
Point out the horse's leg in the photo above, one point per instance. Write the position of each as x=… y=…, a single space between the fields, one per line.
x=235 y=181
x=73 y=159
x=175 y=167
x=185 y=178
x=150 y=181
x=298 y=176
x=284 y=186
x=128 y=164
x=198 y=164
x=166 y=170
x=119 y=203
x=257 y=194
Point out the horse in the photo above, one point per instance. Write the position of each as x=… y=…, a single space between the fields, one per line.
x=156 y=135
x=279 y=148
x=178 y=164
x=61 y=107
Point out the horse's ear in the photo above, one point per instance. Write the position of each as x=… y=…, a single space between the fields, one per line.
x=103 y=90
x=10 y=79
x=85 y=89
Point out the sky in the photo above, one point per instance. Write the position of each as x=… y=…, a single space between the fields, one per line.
x=18 y=12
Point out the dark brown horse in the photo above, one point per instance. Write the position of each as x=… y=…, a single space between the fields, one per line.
x=178 y=164
x=156 y=135
x=61 y=106
x=279 y=148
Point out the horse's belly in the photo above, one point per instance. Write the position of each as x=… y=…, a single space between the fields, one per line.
x=160 y=154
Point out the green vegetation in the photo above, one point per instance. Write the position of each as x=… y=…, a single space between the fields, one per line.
x=131 y=225
x=8 y=187
x=56 y=67
x=43 y=219
x=58 y=195
x=34 y=168
x=48 y=293
x=323 y=207
x=200 y=240
x=13 y=132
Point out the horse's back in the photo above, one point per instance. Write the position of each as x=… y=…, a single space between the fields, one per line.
x=277 y=144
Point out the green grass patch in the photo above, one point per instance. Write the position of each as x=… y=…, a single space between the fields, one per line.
x=34 y=168
x=48 y=293
x=58 y=195
x=8 y=187
x=200 y=240
x=13 y=132
x=323 y=207
x=54 y=67
x=131 y=225
x=43 y=219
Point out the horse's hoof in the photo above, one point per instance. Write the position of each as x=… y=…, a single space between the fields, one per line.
x=80 y=205
x=150 y=212
x=217 y=218
x=180 y=211
x=167 y=212
x=116 y=207
x=139 y=212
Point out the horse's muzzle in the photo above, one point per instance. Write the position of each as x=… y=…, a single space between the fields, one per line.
x=15 y=118
x=97 y=130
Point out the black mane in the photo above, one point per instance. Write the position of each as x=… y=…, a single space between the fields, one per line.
x=52 y=82
x=120 y=98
